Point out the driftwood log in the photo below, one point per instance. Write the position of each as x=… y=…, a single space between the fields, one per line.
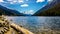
x=20 y=29
x=10 y=27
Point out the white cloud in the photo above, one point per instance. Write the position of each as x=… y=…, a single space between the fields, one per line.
x=11 y=3
x=29 y=12
x=20 y=1
x=9 y=0
x=15 y=1
x=24 y=5
x=49 y=0
x=1 y=1
x=40 y=1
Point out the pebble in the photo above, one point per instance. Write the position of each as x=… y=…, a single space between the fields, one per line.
x=4 y=25
x=6 y=28
x=1 y=32
x=0 y=24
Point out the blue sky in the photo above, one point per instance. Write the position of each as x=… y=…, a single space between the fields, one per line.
x=25 y=6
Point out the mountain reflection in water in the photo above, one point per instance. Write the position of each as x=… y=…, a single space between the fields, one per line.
x=36 y=24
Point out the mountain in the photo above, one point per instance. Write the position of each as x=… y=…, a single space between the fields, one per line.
x=9 y=12
x=52 y=9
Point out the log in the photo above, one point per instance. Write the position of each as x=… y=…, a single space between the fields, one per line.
x=21 y=29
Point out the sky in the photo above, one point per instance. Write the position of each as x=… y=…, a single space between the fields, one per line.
x=25 y=6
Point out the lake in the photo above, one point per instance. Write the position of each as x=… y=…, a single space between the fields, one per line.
x=36 y=24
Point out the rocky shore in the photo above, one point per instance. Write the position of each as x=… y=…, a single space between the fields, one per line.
x=7 y=27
